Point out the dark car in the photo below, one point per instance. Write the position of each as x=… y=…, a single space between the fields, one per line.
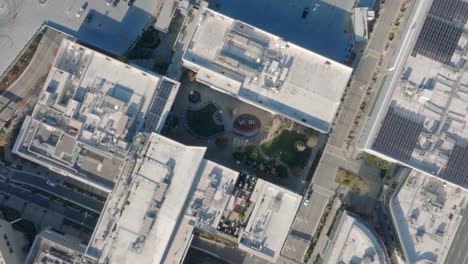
x=305 y=12
x=89 y=17
x=130 y=2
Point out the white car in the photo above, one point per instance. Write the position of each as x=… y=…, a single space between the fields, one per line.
x=109 y=2
x=307 y=198
x=80 y=12
x=51 y=183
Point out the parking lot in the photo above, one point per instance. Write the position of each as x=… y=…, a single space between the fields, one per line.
x=325 y=29
x=111 y=28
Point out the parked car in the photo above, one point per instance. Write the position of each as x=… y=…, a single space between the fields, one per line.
x=108 y=2
x=51 y=183
x=89 y=17
x=80 y=12
x=130 y=2
x=307 y=198
x=305 y=12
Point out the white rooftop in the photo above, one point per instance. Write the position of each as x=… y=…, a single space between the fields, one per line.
x=427 y=211
x=354 y=242
x=89 y=113
x=141 y=221
x=424 y=97
x=265 y=70
x=212 y=195
x=270 y=221
x=360 y=27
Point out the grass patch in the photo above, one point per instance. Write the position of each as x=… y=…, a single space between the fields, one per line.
x=201 y=121
x=282 y=147
x=382 y=164
x=356 y=183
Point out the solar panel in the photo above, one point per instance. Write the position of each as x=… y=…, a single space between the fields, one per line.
x=441 y=30
x=159 y=102
x=398 y=135
x=457 y=166
x=165 y=89
x=450 y=10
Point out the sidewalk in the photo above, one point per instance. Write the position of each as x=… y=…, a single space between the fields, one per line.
x=321 y=242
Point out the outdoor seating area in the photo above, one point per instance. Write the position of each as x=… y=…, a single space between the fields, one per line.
x=239 y=135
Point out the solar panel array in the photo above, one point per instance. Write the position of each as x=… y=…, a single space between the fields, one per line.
x=442 y=30
x=398 y=135
x=154 y=114
x=457 y=167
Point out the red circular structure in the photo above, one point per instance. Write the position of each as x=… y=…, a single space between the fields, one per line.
x=247 y=125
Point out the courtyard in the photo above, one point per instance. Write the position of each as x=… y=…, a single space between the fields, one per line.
x=238 y=135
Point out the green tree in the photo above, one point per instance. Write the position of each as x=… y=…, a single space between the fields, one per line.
x=312 y=141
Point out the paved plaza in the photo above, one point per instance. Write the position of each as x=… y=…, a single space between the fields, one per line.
x=230 y=108
x=113 y=29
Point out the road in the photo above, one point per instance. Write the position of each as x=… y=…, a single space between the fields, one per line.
x=229 y=255
x=79 y=217
x=457 y=252
x=304 y=225
x=60 y=191
x=323 y=183
x=363 y=74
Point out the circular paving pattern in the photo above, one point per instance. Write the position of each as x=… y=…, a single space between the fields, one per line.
x=205 y=122
x=247 y=125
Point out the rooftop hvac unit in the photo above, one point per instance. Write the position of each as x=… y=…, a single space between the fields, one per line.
x=410 y=89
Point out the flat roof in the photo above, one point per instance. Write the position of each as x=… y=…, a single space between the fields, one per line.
x=141 y=220
x=52 y=247
x=354 y=242
x=326 y=19
x=270 y=221
x=212 y=195
x=265 y=70
x=426 y=104
x=360 y=27
x=428 y=215
x=89 y=113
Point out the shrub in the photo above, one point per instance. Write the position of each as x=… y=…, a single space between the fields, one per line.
x=299 y=146
x=192 y=76
x=312 y=141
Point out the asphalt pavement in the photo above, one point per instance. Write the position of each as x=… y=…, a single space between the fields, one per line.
x=363 y=74
x=323 y=183
x=457 y=252
x=72 y=214
x=58 y=190
x=304 y=226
